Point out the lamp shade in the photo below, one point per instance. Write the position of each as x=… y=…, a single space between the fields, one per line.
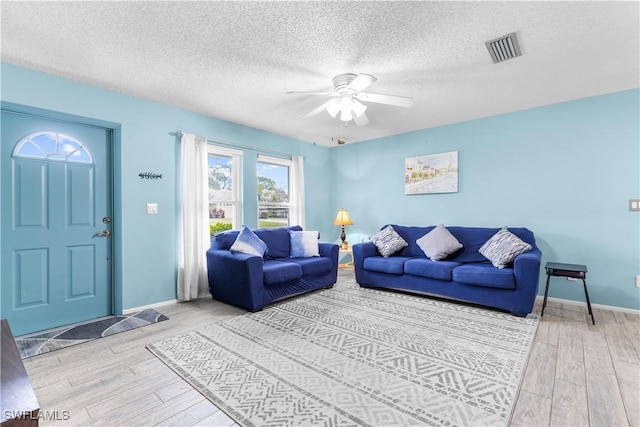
x=343 y=218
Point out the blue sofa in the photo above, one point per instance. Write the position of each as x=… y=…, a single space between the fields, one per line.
x=252 y=282
x=465 y=275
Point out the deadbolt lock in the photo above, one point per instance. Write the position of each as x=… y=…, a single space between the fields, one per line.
x=106 y=220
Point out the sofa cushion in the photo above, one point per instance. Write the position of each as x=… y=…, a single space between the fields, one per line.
x=387 y=241
x=275 y=271
x=441 y=270
x=247 y=242
x=503 y=247
x=304 y=243
x=393 y=265
x=313 y=265
x=485 y=275
x=277 y=240
x=438 y=243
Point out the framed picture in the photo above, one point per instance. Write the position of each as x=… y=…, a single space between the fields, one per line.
x=434 y=173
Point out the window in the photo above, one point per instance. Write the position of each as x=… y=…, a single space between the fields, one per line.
x=274 y=203
x=52 y=146
x=225 y=207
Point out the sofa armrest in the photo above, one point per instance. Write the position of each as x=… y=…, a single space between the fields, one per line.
x=363 y=250
x=526 y=268
x=328 y=250
x=236 y=278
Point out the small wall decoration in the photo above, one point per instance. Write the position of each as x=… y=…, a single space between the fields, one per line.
x=434 y=173
x=150 y=175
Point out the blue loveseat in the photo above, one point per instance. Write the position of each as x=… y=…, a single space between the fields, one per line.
x=253 y=282
x=465 y=275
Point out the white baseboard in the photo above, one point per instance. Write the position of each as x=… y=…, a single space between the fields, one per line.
x=598 y=306
x=144 y=307
x=540 y=297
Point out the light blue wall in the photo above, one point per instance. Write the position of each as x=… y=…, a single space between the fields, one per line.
x=147 y=244
x=565 y=171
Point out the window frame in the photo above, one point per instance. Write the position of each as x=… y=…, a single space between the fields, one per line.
x=277 y=161
x=236 y=179
x=56 y=156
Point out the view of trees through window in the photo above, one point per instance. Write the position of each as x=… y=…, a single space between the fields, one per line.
x=272 y=188
x=221 y=195
x=273 y=194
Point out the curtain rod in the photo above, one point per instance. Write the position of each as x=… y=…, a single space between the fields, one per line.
x=179 y=133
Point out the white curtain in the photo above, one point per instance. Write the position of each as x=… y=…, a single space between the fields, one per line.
x=297 y=191
x=194 y=221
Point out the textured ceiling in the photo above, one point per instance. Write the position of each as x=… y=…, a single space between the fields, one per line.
x=236 y=60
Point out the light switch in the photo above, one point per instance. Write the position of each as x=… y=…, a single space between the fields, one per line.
x=152 y=208
x=634 y=205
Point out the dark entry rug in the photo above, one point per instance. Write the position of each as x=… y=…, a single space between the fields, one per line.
x=55 y=339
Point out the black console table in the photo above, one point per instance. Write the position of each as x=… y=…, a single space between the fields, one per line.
x=575 y=271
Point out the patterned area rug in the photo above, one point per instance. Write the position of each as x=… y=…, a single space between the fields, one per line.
x=55 y=339
x=350 y=356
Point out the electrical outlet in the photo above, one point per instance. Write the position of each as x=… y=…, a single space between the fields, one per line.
x=637 y=281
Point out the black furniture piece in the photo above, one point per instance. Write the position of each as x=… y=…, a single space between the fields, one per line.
x=575 y=271
x=19 y=405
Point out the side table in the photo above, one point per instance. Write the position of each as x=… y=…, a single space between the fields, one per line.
x=575 y=271
x=346 y=251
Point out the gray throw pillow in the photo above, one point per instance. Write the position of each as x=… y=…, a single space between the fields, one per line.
x=388 y=241
x=503 y=247
x=438 y=243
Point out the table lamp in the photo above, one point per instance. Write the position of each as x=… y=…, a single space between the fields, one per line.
x=343 y=219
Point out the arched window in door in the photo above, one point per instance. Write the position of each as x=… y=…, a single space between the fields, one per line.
x=52 y=146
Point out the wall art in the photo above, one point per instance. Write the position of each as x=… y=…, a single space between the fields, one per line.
x=433 y=173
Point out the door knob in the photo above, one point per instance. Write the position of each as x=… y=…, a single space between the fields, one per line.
x=104 y=233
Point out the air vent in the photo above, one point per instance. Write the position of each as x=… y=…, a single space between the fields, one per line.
x=504 y=48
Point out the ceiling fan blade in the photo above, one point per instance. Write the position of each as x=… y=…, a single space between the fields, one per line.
x=297 y=92
x=319 y=109
x=398 y=101
x=361 y=120
x=361 y=82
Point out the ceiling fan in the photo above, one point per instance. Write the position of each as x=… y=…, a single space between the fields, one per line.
x=346 y=97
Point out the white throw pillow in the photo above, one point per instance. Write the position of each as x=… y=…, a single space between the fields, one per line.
x=304 y=244
x=248 y=242
x=438 y=243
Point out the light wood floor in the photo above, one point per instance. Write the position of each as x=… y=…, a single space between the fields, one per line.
x=578 y=374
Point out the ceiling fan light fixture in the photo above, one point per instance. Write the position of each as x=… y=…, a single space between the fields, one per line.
x=346 y=115
x=333 y=109
x=346 y=97
x=358 y=108
x=347 y=107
